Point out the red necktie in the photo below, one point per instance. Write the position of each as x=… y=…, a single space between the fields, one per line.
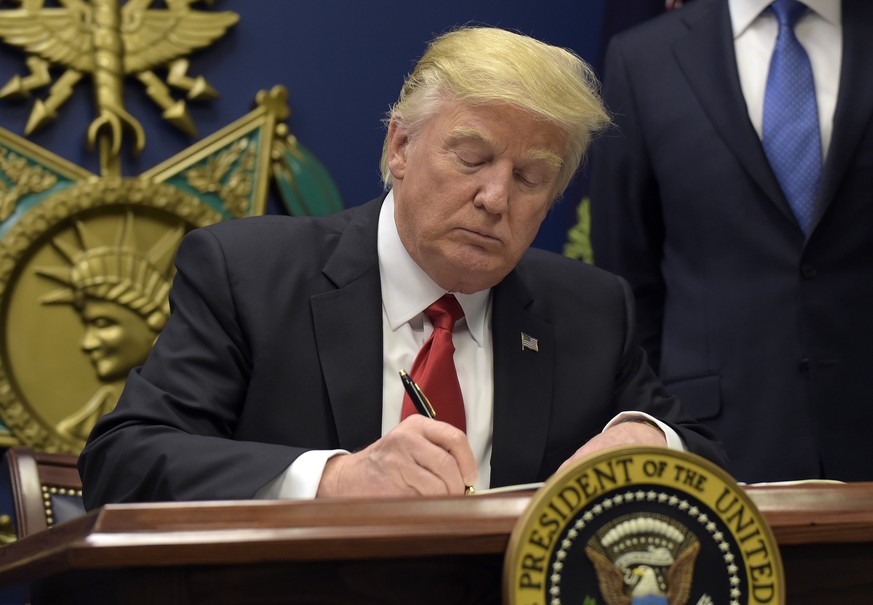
x=434 y=366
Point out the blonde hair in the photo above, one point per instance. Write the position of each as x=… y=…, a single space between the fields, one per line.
x=478 y=65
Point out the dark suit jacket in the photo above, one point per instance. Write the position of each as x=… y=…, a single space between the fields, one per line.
x=274 y=347
x=763 y=334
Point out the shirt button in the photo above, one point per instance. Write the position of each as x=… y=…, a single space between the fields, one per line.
x=808 y=271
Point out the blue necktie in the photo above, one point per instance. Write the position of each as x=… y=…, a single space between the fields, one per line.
x=791 y=136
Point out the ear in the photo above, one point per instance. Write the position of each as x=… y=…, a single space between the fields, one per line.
x=398 y=144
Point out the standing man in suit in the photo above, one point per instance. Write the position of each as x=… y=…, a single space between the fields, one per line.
x=277 y=372
x=756 y=315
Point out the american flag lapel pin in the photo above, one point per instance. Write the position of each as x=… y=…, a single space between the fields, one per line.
x=529 y=343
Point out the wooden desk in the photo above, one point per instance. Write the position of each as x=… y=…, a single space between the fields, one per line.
x=445 y=550
x=825 y=535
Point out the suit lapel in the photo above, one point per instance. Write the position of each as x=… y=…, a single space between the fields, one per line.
x=523 y=384
x=711 y=72
x=348 y=332
x=854 y=109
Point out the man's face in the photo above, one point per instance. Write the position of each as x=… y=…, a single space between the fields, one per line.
x=116 y=339
x=471 y=190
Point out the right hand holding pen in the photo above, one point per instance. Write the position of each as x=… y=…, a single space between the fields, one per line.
x=419 y=457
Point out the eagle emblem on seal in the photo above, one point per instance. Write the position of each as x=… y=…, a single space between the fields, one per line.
x=644 y=560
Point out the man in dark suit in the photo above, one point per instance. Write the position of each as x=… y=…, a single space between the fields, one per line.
x=277 y=372
x=758 y=322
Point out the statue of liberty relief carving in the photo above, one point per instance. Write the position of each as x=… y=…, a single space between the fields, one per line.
x=120 y=294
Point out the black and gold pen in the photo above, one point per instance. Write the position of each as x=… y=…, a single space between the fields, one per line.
x=419 y=400
x=422 y=404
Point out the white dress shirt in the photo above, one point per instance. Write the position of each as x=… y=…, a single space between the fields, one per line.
x=819 y=31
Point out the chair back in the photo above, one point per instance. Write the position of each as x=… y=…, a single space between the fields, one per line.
x=46 y=489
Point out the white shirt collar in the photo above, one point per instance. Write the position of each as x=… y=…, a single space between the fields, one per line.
x=406 y=288
x=744 y=12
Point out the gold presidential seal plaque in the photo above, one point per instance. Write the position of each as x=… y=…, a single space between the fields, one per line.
x=642 y=526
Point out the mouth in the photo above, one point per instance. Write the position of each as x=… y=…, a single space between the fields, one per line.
x=481 y=236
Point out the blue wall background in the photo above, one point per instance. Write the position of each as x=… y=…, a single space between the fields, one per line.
x=343 y=62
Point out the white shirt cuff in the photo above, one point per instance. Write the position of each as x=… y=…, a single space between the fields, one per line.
x=674 y=441
x=301 y=479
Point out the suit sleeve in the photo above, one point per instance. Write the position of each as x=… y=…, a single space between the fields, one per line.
x=627 y=230
x=637 y=388
x=171 y=436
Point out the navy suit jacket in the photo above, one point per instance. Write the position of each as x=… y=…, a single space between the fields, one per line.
x=765 y=335
x=274 y=347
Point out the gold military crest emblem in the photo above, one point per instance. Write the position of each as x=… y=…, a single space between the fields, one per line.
x=86 y=260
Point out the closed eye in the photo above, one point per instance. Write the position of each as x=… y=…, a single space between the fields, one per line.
x=528 y=182
x=469 y=161
x=531 y=179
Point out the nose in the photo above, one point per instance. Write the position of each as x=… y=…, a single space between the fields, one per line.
x=89 y=340
x=493 y=192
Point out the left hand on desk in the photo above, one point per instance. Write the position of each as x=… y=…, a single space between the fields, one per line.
x=624 y=433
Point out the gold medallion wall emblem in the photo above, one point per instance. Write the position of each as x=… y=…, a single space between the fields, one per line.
x=642 y=526
x=84 y=278
x=85 y=259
